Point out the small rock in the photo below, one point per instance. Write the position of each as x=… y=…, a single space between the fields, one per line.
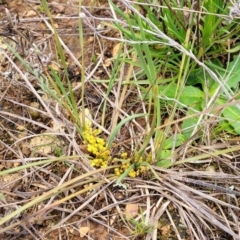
x=57 y=8
x=83 y=231
x=131 y=210
x=116 y=50
x=34 y=113
x=210 y=169
x=31 y=13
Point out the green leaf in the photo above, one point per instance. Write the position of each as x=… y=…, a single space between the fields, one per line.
x=224 y=126
x=232 y=115
x=196 y=77
x=191 y=96
x=2 y=197
x=117 y=128
x=165 y=154
x=175 y=141
x=168 y=90
x=164 y=163
x=233 y=50
x=234 y=68
x=189 y=124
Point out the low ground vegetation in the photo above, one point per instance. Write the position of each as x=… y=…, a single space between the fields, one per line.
x=119 y=120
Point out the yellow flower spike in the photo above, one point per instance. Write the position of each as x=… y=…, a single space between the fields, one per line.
x=94 y=133
x=146 y=168
x=149 y=158
x=104 y=165
x=100 y=147
x=95 y=151
x=99 y=131
x=96 y=146
x=100 y=141
x=132 y=174
x=93 y=163
x=105 y=154
x=91 y=140
x=105 y=151
x=97 y=163
x=124 y=155
x=89 y=148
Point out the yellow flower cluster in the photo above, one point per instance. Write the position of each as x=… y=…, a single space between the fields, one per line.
x=126 y=163
x=96 y=146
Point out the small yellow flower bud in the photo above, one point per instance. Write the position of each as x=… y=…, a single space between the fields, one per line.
x=124 y=155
